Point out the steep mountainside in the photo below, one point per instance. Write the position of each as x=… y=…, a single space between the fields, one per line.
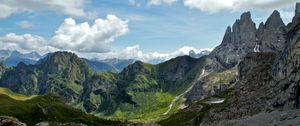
x=240 y=40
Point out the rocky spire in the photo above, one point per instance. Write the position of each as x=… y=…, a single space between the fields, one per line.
x=227 y=36
x=244 y=30
x=237 y=42
x=246 y=17
x=297 y=12
x=274 y=21
x=271 y=35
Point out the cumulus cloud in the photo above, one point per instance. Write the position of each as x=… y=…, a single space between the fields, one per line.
x=70 y=36
x=213 y=6
x=68 y=7
x=135 y=52
x=28 y=43
x=25 y=24
x=159 y=2
x=24 y=43
x=85 y=38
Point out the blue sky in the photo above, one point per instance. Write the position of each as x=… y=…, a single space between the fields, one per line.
x=145 y=26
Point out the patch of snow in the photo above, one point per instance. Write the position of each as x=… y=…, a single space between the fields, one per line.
x=216 y=101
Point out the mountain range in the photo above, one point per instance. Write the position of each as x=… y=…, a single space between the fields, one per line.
x=12 y=58
x=251 y=78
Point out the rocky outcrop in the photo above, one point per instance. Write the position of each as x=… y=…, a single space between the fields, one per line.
x=244 y=38
x=237 y=42
x=10 y=121
x=250 y=92
x=266 y=83
x=241 y=39
x=271 y=36
x=253 y=60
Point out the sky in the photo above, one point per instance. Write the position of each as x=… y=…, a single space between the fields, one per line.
x=127 y=29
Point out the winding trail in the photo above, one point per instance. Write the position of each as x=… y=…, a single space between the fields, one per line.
x=186 y=91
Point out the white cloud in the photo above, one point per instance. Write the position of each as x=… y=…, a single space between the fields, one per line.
x=159 y=2
x=28 y=43
x=85 y=38
x=68 y=7
x=25 y=24
x=213 y=6
x=24 y=43
x=135 y=52
x=70 y=36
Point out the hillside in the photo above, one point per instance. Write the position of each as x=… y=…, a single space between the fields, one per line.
x=47 y=108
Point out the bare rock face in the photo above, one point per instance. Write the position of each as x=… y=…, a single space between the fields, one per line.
x=286 y=69
x=237 y=42
x=289 y=61
x=252 y=60
x=271 y=36
x=297 y=12
x=267 y=82
x=241 y=39
x=10 y=121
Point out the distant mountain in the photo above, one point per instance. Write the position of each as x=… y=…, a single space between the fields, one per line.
x=106 y=65
x=119 y=64
x=12 y=58
x=193 y=54
x=101 y=66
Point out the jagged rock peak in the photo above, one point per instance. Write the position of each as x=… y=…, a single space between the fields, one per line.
x=274 y=20
x=227 y=36
x=246 y=16
x=260 y=28
x=228 y=30
x=261 y=25
x=297 y=13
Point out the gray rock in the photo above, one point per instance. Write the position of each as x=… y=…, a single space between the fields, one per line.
x=10 y=121
x=271 y=36
x=237 y=42
x=282 y=118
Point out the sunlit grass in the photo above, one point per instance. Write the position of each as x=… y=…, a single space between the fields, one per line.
x=15 y=96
